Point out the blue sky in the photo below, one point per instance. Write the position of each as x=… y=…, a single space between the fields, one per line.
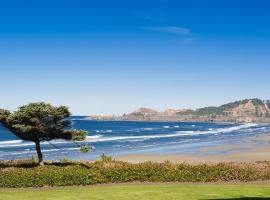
x=115 y=56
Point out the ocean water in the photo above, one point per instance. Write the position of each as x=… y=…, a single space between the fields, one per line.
x=122 y=138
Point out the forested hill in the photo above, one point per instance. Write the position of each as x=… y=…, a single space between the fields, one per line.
x=247 y=107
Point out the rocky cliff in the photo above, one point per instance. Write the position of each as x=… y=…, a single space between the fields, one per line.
x=248 y=110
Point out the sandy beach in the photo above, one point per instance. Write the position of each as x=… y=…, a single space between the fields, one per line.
x=251 y=149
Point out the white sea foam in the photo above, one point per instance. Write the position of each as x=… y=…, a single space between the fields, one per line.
x=11 y=142
x=176 y=134
x=95 y=136
x=147 y=129
x=176 y=126
x=27 y=151
x=102 y=138
x=14 y=143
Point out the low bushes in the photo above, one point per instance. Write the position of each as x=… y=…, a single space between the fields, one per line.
x=64 y=173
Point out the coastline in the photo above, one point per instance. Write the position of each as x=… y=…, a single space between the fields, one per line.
x=192 y=146
x=177 y=121
x=244 y=111
x=252 y=149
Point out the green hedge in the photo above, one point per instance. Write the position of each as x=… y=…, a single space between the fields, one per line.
x=27 y=174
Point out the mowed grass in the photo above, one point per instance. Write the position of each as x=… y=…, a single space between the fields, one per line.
x=139 y=192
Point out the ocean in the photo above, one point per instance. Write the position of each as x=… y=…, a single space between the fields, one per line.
x=117 y=138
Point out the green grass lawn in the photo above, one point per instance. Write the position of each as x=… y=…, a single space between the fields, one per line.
x=141 y=192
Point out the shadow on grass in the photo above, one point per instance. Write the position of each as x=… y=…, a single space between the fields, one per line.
x=66 y=164
x=30 y=164
x=243 y=198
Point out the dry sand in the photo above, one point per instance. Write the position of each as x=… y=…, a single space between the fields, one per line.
x=251 y=149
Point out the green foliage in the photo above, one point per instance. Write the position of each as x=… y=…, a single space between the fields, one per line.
x=66 y=161
x=76 y=135
x=4 y=115
x=255 y=102
x=204 y=111
x=28 y=174
x=212 y=110
x=41 y=122
x=38 y=122
x=105 y=158
x=85 y=148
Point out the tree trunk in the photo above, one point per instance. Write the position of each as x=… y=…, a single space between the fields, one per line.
x=40 y=156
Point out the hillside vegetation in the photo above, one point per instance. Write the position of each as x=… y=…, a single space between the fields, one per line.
x=248 y=110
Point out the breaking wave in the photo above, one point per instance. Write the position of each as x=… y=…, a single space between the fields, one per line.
x=133 y=138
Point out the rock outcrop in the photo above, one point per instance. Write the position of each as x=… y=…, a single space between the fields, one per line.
x=248 y=110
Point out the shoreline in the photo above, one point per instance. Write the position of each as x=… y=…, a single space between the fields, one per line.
x=244 y=149
x=251 y=149
x=177 y=121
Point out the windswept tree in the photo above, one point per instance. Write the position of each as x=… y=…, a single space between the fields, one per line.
x=40 y=122
x=3 y=115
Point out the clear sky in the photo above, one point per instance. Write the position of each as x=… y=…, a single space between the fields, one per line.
x=115 y=56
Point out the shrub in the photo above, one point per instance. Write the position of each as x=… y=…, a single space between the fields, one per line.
x=105 y=158
x=67 y=173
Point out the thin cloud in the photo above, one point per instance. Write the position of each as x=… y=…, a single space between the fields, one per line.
x=187 y=41
x=170 y=29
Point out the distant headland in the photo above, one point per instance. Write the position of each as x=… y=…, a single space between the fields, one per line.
x=248 y=110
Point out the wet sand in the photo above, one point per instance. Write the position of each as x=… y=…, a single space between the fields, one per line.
x=251 y=149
